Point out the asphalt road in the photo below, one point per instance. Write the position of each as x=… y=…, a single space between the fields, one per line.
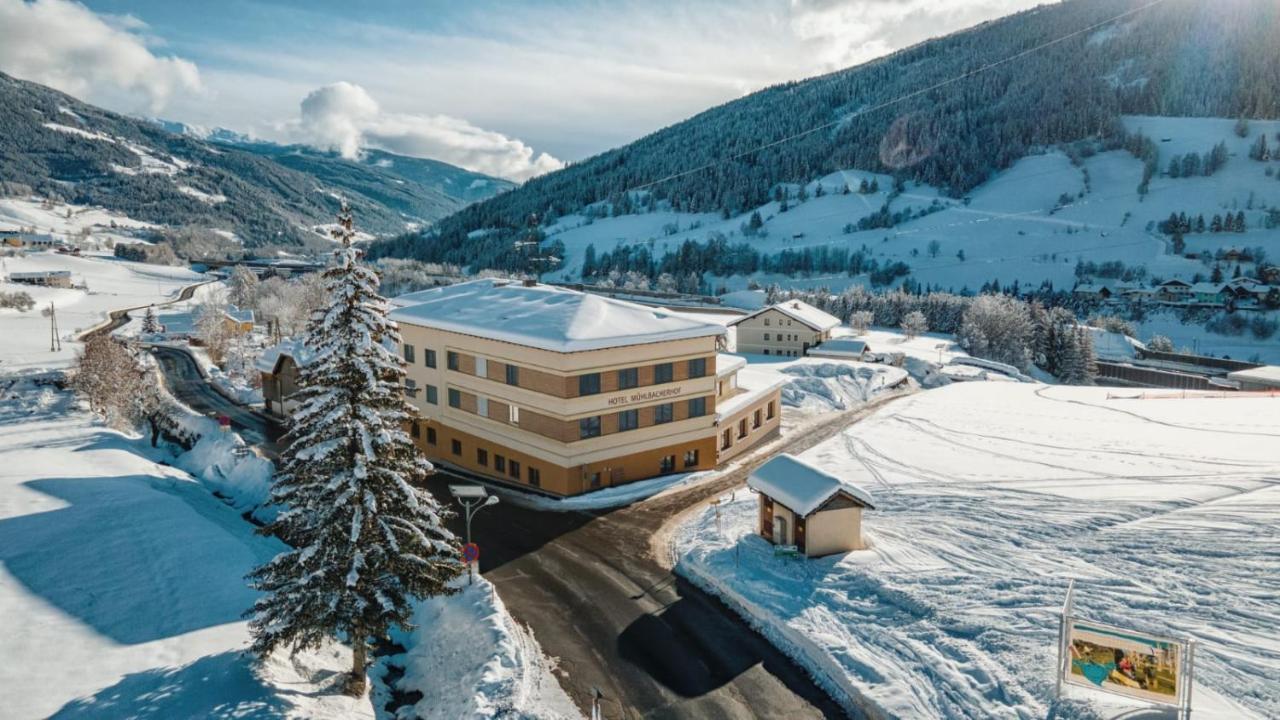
x=183 y=379
x=596 y=598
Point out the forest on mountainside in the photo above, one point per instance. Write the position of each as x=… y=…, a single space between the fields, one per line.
x=1179 y=57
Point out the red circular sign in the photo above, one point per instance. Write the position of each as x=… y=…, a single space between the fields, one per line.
x=471 y=552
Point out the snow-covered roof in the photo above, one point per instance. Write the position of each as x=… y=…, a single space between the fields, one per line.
x=1175 y=283
x=38 y=274
x=1112 y=345
x=545 y=317
x=180 y=323
x=295 y=349
x=242 y=316
x=726 y=364
x=1204 y=287
x=800 y=486
x=843 y=347
x=799 y=310
x=1266 y=375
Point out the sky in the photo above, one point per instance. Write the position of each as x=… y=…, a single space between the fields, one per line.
x=513 y=89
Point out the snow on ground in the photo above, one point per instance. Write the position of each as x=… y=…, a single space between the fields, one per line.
x=67 y=220
x=990 y=497
x=112 y=284
x=122 y=583
x=474 y=661
x=1012 y=227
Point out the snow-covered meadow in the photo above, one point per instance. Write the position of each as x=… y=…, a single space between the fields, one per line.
x=108 y=284
x=990 y=497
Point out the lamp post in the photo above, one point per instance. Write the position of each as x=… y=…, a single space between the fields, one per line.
x=473 y=498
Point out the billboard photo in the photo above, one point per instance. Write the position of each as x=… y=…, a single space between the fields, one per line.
x=1125 y=662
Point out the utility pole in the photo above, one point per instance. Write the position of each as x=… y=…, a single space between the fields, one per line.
x=55 y=342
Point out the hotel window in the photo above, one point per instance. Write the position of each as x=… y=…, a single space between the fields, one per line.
x=451 y=359
x=482 y=406
x=430 y=357
x=628 y=420
x=755 y=419
x=726 y=440
x=697 y=367
x=513 y=414
x=690 y=458
x=482 y=367
x=589 y=384
x=513 y=469
x=513 y=374
x=766 y=322
x=455 y=398
x=628 y=378
x=414 y=430
x=697 y=407
x=589 y=427
x=593 y=480
x=411 y=387
x=663 y=413
x=499 y=463
x=668 y=464
x=662 y=373
x=766 y=337
x=482 y=456
x=535 y=477
x=408 y=353
x=431 y=436
x=742 y=428
x=769 y=411
x=433 y=395
x=455 y=446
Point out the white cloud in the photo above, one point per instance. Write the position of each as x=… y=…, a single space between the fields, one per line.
x=100 y=58
x=344 y=117
x=848 y=32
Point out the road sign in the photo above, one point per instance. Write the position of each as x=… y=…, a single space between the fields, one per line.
x=471 y=552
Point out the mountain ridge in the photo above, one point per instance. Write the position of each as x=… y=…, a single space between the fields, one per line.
x=54 y=145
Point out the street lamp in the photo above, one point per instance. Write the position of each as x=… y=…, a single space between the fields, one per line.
x=472 y=498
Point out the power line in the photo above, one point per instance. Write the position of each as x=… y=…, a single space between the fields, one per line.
x=900 y=98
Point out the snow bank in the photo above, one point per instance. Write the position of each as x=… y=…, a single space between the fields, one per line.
x=221 y=460
x=470 y=659
x=990 y=497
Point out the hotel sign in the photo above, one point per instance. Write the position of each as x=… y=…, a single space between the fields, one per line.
x=641 y=396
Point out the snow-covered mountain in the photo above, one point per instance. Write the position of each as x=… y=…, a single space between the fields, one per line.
x=54 y=146
x=981 y=160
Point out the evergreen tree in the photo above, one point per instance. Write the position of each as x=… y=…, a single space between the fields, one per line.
x=366 y=541
x=150 y=326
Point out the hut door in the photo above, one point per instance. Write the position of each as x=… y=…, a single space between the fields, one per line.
x=780 y=530
x=800 y=534
x=766 y=518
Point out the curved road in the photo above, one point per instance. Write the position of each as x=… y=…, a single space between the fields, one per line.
x=185 y=382
x=616 y=618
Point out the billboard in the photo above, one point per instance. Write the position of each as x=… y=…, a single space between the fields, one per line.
x=1125 y=662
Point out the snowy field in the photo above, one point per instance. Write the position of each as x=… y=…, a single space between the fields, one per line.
x=111 y=285
x=122 y=583
x=990 y=497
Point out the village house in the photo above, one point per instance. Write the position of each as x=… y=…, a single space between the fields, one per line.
x=814 y=511
x=34 y=241
x=278 y=366
x=1092 y=291
x=1209 y=293
x=564 y=392
x=1173 y=290
x=43 y=278
x=788 y=328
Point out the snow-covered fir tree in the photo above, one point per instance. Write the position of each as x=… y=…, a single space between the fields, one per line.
x=366 y=540
x=150 y=325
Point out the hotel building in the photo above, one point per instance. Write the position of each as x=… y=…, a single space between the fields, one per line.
x=566 y=392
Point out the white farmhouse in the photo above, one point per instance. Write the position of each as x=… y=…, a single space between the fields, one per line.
x=788 y=328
